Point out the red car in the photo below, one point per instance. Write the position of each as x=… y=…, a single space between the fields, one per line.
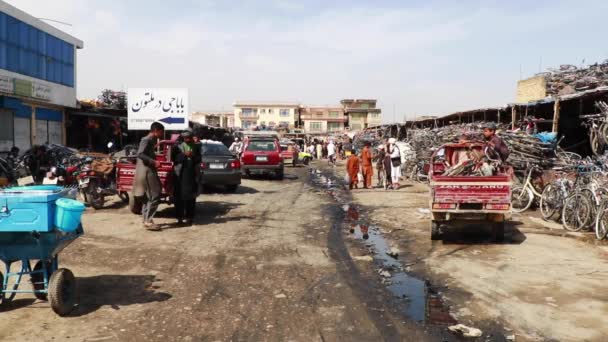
x=262 y=155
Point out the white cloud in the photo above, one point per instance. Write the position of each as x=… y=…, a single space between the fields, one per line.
x=425 y=59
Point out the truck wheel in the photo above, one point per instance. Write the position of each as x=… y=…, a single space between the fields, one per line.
x=306 y=161
x=281 y=174
x=435 y=231
x=499 y=231
x=124 y=196
x=135 y=205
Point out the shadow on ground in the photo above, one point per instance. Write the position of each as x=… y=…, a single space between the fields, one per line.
x=116 y=291
x=477 y=234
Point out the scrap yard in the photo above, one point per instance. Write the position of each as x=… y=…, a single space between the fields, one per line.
x=386 y=171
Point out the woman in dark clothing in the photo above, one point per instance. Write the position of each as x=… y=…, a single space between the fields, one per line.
x=387 y=164
x=187 y=157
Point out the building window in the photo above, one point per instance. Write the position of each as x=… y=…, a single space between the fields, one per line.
x=356 y=126
x=249 y=112
x=375 y=115
x=364 y=105
x=284 y=112
x=333 y=126
x=334 y=114
x=319 y=113
x=270 y=111
x=29 y=51
x=284 y=123
x=263 y=123
x=272 y=124
x=262 y=111
x=316 y=126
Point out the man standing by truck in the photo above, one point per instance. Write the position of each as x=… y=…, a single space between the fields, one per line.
x=146 y=183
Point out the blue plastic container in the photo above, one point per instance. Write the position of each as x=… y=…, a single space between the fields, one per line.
x=68 y=214
x=29 y=208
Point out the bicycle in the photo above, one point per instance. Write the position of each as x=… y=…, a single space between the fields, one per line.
x=577 y=208
x=553 y=196
x=523 y=196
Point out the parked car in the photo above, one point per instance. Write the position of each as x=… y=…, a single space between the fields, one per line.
x=289 y=153
x=262 y=154
x=219 y=166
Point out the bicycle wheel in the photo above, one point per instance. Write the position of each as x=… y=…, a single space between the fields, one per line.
x=601 y=221
x=576 y=212
x=592 y=208
x=550 y=201
x=596 y=145
x=521 y=199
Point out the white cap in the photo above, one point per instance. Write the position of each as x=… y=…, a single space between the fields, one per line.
x=392 y=141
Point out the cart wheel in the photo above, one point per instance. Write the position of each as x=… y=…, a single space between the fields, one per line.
x=435 y=231
x=62 y=291
x=135 y=205
x=38 y=278
x=499 y=231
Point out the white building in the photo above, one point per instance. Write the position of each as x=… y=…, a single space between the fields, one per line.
x=37 y=79
x=266 y=114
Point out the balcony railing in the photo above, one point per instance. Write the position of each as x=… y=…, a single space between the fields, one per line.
x=249 y=116
x=324 y=118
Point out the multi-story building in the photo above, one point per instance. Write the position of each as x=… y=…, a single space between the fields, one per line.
x=214 y=119
x=361 y=113
x=37 y=79
x=322 y=119
x=266 y=114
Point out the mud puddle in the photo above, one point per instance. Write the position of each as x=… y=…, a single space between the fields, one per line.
x=418 y=300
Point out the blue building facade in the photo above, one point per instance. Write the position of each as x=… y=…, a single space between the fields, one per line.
x=37 y=80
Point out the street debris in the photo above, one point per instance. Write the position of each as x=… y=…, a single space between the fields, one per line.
x=384 y=273
x=280 y=296
x=465 y=331
x=393 y=252
x=365 y=258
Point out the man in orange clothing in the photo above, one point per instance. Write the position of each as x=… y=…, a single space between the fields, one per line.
x=352 y=168
x=368 y=170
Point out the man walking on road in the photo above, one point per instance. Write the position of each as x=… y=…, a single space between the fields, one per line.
x=352 y=169
x=146 y=183
x=366 y=162
x=331 y=152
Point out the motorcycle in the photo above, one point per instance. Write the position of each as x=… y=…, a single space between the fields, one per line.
x=63 y=175
x=97 y=180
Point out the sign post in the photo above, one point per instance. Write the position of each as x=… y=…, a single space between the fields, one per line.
x=168 y=106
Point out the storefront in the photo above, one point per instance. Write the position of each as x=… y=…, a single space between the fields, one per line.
x=37 y=80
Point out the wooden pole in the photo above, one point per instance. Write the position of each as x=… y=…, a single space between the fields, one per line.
x=513 y=116
x=556 y=110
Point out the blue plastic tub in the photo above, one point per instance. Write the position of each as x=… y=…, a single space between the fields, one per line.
x=68 y=214
x=29 y=208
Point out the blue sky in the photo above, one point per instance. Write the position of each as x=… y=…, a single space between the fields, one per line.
x=415 y=57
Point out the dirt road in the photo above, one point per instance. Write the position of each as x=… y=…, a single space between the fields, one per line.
x=539 y=286
x=268 y=263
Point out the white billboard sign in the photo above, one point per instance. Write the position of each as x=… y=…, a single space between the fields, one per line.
x=166 y=105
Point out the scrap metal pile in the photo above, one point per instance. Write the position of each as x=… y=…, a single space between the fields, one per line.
x=525 y=149
x=569 y=79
